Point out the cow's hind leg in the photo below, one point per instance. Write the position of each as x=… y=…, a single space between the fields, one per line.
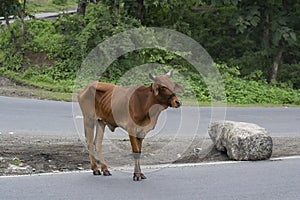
x=89 y=125
x=100 y=126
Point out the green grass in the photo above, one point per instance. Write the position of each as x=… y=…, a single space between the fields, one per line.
x=193 y=102
x=40 y=89
x=16 y=161
x=43 y=87
x=40 y=81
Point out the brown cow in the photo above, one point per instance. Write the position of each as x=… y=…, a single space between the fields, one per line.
x=134 y=108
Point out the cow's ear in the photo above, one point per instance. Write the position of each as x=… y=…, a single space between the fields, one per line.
x=178 y=88
x=155 y=89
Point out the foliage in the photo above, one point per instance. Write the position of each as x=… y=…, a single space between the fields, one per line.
x=16 y=161
x=272 y=27
x=231 y=32
x=246 y=33
x=290 y=75
x=60 y=41
x=9 y=7
x=42 y=37
x=258 y=92
x=59 y=2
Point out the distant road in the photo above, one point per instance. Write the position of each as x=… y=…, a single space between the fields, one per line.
x=52 y=14
x=21 y=115
x=44 y=15
x=262 y=180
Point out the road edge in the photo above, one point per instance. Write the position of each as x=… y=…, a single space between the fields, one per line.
x=153 y=167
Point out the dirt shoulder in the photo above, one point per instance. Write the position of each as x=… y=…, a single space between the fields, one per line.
x=23 y=154
x=14 y=89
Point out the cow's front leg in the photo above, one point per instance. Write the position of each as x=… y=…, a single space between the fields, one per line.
x=136 y=144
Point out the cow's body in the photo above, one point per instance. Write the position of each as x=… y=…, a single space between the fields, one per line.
x=135 y=109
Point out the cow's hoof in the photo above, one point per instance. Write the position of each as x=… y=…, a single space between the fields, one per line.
x=138 y=176
x=106 y=173
x=97 y=172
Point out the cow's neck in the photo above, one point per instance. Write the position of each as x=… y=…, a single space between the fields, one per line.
x=152 y=105
x=145 y=108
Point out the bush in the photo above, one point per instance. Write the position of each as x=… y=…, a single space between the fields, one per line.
x=290 y=75
x=43 y=37
x=59 y=2
x=242 y=91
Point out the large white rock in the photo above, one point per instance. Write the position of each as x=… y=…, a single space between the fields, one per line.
x=240 y=140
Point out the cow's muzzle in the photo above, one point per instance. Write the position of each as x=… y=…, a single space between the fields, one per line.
x=177 y=102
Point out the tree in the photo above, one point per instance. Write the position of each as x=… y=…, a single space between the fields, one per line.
x=270 y=26
x=15 y=8
x=8 y=7
x=135 y=8
x=268 y=22
x=146 y=10
x=21 y=15
x=82 y=4
x=140 y=9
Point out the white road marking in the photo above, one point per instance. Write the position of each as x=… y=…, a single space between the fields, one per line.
x=152 y=167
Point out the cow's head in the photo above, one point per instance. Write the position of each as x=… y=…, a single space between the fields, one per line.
x=165 y=90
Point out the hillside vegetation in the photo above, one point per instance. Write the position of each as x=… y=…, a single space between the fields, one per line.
x=49 y=53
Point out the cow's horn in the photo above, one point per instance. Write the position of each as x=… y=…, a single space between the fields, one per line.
x=152 y=77
x=170 y=73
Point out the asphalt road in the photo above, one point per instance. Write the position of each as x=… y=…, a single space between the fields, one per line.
x=19 y=115
x=238 y=180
